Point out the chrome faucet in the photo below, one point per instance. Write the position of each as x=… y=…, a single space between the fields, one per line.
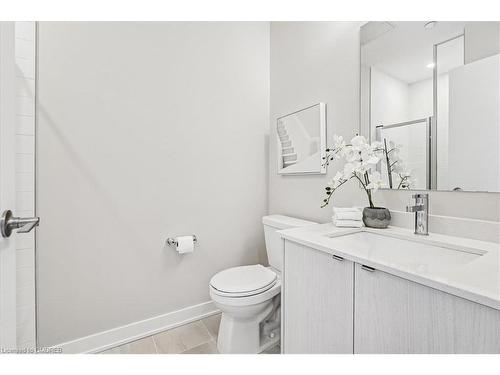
x=421 y=209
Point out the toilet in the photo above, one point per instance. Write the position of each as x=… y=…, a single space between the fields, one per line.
x=249 y=296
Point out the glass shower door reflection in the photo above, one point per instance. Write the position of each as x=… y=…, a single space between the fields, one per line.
x=413 y=141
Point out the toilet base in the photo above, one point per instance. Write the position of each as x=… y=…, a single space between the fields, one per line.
x=245 y=334
x=229 y=344
x=241 y=336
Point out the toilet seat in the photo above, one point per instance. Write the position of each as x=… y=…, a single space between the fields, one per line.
x=261 y=284
x=243 y=281
x=254 y=299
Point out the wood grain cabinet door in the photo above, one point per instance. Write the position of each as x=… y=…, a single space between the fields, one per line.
x=395 y=315
x=317 y=302
x=381 y=312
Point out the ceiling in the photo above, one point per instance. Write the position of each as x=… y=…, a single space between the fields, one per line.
x=403 y=49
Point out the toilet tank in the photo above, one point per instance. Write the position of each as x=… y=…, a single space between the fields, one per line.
x=274 y=244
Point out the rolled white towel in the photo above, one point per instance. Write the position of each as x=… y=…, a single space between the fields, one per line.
x=358 y=215
x=348 y=223
x=345 y=209
x=347 y=213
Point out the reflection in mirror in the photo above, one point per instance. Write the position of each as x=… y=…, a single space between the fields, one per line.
x=411 y=157
x=433 y=88
x=301 y=140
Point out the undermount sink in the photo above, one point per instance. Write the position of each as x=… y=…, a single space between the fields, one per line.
x=419 y=253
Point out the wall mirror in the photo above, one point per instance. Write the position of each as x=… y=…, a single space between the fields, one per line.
x=433 y=88
x=301 y=138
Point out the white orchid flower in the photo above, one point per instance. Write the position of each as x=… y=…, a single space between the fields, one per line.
x=358 y=141
x=361 y=158
x=336 y=180
x=364 y=167
x=350 y=154
x=369 y=157
x=338 y=142
x=398 y=166
x=338 y=176
x=375 y=181
x=372 y=160
x=351 y=168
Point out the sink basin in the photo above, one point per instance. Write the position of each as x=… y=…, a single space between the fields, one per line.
x=416 y=253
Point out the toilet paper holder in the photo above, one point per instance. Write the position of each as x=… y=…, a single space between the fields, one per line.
x=173 y=241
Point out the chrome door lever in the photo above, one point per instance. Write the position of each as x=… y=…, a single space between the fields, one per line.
x=23 y=224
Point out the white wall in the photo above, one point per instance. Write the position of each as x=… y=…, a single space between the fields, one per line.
x=482 y=39
x=313 y=62
x=443 y=125
x=389 y=100
x=146 y=130
x=420 y=106
x=420 y=99
x=25 y=182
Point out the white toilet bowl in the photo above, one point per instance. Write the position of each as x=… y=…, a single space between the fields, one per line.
x=249 y=296
x=249 y=299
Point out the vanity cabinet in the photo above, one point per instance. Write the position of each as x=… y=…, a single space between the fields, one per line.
x=337 y=306
x=318 y=302
x=395 y=315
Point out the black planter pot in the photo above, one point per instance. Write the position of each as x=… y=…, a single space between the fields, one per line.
x=376 y=217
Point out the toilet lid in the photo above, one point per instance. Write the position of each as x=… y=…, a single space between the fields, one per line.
x=244 y=280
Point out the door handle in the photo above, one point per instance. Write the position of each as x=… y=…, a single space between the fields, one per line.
x=8 y=222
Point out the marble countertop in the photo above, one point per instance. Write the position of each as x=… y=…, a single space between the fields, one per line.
x=475 y=277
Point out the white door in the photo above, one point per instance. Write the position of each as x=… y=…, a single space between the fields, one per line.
x=7 y=185
x=17 y=151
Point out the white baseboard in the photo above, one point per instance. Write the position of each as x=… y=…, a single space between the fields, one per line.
x=134 y=331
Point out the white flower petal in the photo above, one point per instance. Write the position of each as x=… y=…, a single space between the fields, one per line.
x=358 y=140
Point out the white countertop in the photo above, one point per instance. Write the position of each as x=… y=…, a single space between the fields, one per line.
x=476 y=279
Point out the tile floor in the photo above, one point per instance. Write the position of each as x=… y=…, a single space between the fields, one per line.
x=199 y=337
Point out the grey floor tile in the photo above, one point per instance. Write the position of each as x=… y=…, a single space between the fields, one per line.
x=207 y=348
x=182 y=338
x=142 y=346
x=199 y=337
x=212 y=323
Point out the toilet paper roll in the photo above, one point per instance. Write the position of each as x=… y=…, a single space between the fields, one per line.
x=185 y=244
